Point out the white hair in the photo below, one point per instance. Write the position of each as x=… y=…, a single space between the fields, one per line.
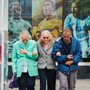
x=46 y=31
x=25 y=32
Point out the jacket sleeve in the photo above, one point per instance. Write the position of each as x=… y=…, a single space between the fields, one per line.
x=78 y=54
x=14 y=58
x=57 y=48
x=30 y=55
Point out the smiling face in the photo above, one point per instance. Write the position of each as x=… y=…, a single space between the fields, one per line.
x=45 y=37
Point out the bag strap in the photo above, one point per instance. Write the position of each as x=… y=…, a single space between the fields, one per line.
x=13 y=77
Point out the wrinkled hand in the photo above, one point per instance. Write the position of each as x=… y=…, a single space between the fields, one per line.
x=34 y=53
x=69 y=63
x=69 y=57
x=58 y=54
x=23 y=51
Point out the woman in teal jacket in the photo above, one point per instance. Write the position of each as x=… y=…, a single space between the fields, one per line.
x=24 y=61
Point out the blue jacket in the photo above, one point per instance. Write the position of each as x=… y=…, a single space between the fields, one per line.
x=75 y=50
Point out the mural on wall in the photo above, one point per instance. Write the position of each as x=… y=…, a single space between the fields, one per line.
x=38 y=15
x=46 y=14
x=79 y=22
x=19 y=19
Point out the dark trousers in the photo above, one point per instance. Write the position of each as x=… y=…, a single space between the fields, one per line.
x=26 y=82
x=50 y=76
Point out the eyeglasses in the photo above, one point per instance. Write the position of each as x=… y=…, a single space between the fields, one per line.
x=45 y=37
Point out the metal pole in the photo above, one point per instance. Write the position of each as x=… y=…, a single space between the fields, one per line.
x=4 y=27
x=2 y=62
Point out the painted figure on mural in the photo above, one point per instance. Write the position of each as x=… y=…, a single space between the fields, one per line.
x=86 y=9
x=16 y=24
x=53 y=24
x=79 y=22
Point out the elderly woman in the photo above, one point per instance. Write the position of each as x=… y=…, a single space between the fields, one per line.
x=46 y=65
x=24 y=61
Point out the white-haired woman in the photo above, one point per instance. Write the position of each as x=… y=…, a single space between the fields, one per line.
x=46 y=65
x=24 y=61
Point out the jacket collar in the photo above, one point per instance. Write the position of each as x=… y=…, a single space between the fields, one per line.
x=22 y=45
x=73 y=43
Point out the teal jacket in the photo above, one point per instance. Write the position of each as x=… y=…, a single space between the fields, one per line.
x=18 y=59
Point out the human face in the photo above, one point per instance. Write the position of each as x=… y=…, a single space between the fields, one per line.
x=16 y=8
x=66 y=37
x=24 y=38
x=75 y=10
x=45 y=38
x=47 y=8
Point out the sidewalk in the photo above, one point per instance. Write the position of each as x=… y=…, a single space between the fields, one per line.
x=82 y=84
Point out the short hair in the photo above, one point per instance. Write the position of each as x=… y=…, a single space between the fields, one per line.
x=66 y=30
x=52 y=3
x=46 y=31
x=25 y=32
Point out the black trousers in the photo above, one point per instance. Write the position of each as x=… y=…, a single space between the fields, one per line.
x=50 y=76
x=26 y=82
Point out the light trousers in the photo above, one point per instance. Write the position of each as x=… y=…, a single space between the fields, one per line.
x=67 y=82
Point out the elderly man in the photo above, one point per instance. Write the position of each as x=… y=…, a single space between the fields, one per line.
x=24 y=64
x=67 y=52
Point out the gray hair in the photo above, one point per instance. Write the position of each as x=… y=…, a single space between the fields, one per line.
x=25 y=32
x=45 y=31
x=66 y=30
